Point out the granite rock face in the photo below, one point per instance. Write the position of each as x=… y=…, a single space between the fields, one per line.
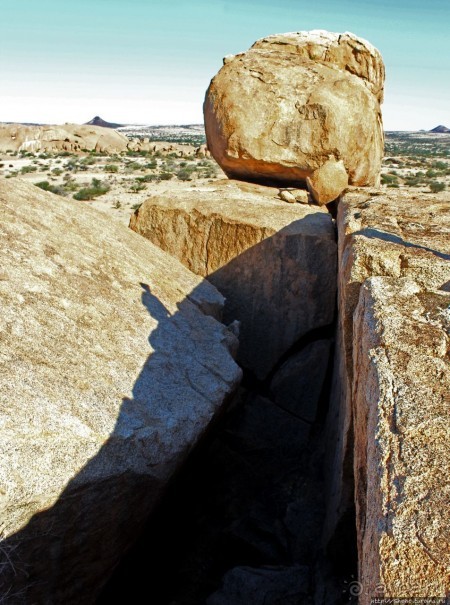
x=113 y=364
x=275 y=263
x=68 y=137
x=393 y=335
x=295 y=102
x=401 y=402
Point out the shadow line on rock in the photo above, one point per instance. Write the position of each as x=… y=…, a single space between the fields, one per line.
x=93 y=516
x=395 y=239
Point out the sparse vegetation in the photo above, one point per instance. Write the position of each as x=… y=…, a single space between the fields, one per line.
x=436 y=186
x=96 y=189
x=137 y=186
x=413 y=160
x=27 y=169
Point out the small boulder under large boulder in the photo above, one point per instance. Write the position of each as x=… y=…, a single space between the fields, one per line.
x=275 y=263
x=113 y=364
x=294 y=103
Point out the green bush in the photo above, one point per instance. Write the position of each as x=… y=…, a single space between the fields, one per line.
x=184 y=174
x=389 y=179
x=147 y=178
x=46 y=186
x=436 y=186
x=111 y=168
x=26 y=169
x=96 y=189
x=151 y=165
x=134 y=166
x=136 y=187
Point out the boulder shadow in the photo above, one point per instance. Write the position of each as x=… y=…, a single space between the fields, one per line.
x=103 y=509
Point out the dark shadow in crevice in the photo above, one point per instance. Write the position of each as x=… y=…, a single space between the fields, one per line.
x=95 y=514
x=271 y=182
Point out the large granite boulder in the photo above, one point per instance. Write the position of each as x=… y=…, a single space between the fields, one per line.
x=113 y=363
x=275 y=263
x=68 y=137
x=397 y=237
x=294 y=103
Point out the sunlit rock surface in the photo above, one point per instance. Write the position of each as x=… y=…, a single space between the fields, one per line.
x=113 y=364
x=275 y=263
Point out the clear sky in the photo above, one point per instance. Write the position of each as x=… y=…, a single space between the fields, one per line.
x=144 y=61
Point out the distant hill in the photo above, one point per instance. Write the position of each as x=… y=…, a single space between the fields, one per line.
x=440 y=128
x=97 y=121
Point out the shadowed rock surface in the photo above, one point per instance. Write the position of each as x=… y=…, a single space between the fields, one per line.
x=110 y=373
x=295 y=102
x=274 y=262
x=298 y=383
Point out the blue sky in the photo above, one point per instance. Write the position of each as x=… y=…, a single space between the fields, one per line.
x=142 y=61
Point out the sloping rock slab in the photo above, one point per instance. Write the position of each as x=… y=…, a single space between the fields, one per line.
x=110 y=372
x=275 y=263
x=401 y=402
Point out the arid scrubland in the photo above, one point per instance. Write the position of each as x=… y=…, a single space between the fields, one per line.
x=115 y=183
x=418 y=163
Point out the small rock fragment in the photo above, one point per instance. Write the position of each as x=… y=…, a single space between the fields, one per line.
x=328 y=182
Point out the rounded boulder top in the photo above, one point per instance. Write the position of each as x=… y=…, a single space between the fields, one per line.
x=294 y=102
x=346 y=51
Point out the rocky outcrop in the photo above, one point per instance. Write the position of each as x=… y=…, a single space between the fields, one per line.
x=400 y=402
x=98 y=121
x=273 y=262
x=144 y=144
x=69 y=137
x=295 y=103
x=440 y=129
x=113 y=364
x=390 y=360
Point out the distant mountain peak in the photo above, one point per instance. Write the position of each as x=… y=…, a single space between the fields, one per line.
x=98 y=121
x=440 y=128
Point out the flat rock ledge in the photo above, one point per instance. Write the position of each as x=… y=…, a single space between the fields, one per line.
x=275 y=263
x=113 y=364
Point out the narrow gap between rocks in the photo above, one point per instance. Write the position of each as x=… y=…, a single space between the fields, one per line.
x=243 y=521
